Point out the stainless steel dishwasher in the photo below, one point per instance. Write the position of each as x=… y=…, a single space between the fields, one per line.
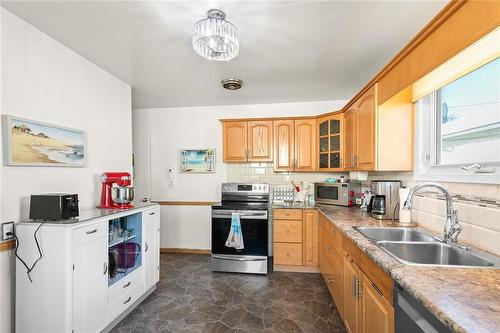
x=412 y=317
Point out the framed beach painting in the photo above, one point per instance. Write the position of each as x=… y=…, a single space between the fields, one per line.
x=32 y=143
x=198 y=160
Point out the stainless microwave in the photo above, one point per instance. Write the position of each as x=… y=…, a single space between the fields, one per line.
x=341 y=194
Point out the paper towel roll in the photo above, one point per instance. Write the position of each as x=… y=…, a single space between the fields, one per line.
x=404 y=215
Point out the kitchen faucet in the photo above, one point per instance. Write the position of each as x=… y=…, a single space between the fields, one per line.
x=451 y=228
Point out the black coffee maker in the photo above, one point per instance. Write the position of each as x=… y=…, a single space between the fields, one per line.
x=385 y=199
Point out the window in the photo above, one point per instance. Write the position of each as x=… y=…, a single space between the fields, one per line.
x=458 y=126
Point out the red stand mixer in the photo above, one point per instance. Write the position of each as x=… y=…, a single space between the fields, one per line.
x=117 y=191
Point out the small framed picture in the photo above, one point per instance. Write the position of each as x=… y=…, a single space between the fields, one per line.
x=32 y=143
x=198 y=160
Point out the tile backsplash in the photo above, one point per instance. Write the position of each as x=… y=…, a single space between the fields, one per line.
x=478 y=205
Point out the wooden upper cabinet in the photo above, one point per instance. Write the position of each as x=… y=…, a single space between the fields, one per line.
x=330 y=143
x=260 y=141
x=284 y=142
x=366 y=108
x=305 y=145
x=234 y=141
x=377 y=314
x=349 y=138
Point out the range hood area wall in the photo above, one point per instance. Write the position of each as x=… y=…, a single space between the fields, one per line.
x=43 y=80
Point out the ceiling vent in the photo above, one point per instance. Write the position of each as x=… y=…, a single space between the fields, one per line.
x=231 y=84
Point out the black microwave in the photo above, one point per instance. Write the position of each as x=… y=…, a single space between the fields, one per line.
x=54 y=206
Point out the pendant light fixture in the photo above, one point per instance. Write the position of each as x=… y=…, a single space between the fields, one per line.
x=215 y=38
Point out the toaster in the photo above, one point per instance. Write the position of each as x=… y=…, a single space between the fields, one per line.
x=54 y=206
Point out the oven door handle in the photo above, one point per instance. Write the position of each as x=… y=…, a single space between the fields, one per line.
x=247 y=215
x=238 y=259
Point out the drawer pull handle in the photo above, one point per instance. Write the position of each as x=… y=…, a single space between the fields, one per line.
x=91 y=232
x=105 y=270
x=126 y=284
x=147 y=246
x=128 y=300
x=152 y=213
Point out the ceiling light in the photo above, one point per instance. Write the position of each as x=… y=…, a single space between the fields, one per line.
x=231 y=84
x=215 y=38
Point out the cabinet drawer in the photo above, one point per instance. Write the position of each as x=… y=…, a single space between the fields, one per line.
x=288 y=214
x=288 y=231
x=90 y=232
x=122 y=287
x=122 y=303
x=288 y=254
x=331 y=242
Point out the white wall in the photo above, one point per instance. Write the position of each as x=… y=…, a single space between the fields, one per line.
x=45 y=81
x=160 y=134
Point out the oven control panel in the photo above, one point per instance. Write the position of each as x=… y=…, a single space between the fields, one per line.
x=245 y=188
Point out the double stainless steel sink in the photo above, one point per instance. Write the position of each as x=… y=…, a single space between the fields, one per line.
x=412 y=246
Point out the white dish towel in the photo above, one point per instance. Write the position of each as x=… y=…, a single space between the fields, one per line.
x=235 y=237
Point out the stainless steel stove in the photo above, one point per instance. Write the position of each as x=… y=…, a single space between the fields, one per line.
x=251 y=201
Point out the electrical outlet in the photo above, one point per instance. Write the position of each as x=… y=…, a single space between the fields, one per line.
x=7 y=227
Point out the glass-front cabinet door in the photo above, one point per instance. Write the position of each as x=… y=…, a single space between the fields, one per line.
x=330 y=143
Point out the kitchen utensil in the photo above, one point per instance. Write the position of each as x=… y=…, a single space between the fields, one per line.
x=122 y=194
x=127 y=254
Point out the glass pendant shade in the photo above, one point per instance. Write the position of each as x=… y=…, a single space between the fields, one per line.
x=215 y=38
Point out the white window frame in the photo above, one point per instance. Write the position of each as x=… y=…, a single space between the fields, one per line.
x=426 y=153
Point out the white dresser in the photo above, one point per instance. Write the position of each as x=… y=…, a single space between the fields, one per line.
x=75 y=286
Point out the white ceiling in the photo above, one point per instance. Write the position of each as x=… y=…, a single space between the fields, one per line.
x=290 y=51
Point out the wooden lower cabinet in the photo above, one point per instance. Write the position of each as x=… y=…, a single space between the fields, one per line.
x=366 y=310
x=331 y=261
x=310 y=235
x=351 y=305
x=362 y=302
x=377 y=314
x=296 y=237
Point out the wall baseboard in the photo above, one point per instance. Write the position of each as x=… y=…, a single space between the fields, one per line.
x=297 y=269
x=184 y=203
x=185 y=251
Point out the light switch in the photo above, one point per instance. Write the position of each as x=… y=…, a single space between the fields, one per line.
x=7 y=228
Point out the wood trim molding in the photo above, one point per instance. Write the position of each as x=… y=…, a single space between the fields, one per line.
x=7 y=245
x=439 y=19
x=185 y=203
x=297 y=269
x=184 y=251
x=283 y=118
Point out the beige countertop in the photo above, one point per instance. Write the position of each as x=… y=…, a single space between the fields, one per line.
x=464 y=299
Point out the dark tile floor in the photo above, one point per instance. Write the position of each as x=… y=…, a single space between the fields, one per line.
x=190 y=298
